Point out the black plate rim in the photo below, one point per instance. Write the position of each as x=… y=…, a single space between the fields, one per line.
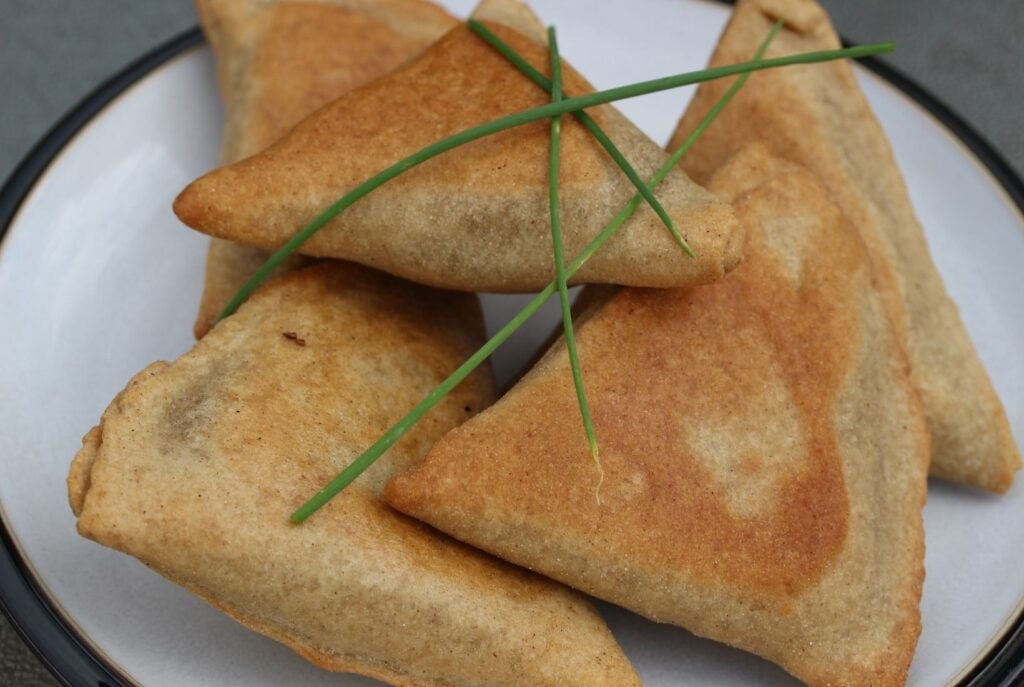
x=56 y=641
x=23 y=599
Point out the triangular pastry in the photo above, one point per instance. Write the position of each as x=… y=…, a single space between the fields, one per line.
x=279 y=61
x=197 y=464
x=764 y=455
x=818 y=117
x=475 y=218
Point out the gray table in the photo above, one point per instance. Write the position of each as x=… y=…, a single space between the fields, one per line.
x=53 y=52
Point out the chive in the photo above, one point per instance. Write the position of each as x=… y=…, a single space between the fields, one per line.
x=559 y=252
x=524 y=117
x=586 y=120
x=364 y=461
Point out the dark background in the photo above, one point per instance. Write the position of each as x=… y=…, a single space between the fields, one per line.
x=53 y=52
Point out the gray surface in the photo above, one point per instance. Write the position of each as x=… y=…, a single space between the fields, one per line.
x=53 y=52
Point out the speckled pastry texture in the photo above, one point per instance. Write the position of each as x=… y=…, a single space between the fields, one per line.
x=817 y=116
x=764 y=453
x=197 y=464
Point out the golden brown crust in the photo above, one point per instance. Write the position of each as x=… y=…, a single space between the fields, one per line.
x=228 y=267
x=817 y=116
x=764 y=454
x=474 y=218
x=79 y=481
x=279 y=61
x=198 y=463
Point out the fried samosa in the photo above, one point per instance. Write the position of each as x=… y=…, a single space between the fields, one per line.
x=764 y=456
x=818 y=117
x=197 y=464
x=279 y=61
x=474 y=218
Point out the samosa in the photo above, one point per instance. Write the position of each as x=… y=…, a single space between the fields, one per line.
x=474 y=218
x=279 y=61
x=818 y=117
x=763 y=455
x=196 y=465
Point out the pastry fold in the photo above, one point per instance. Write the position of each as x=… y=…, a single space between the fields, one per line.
x=764 y=454
x=196 y=465
x=818 y=117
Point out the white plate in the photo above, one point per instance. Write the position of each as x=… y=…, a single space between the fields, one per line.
x=98 y=279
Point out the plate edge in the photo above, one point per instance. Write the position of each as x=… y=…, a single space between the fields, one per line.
x=23 y=599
